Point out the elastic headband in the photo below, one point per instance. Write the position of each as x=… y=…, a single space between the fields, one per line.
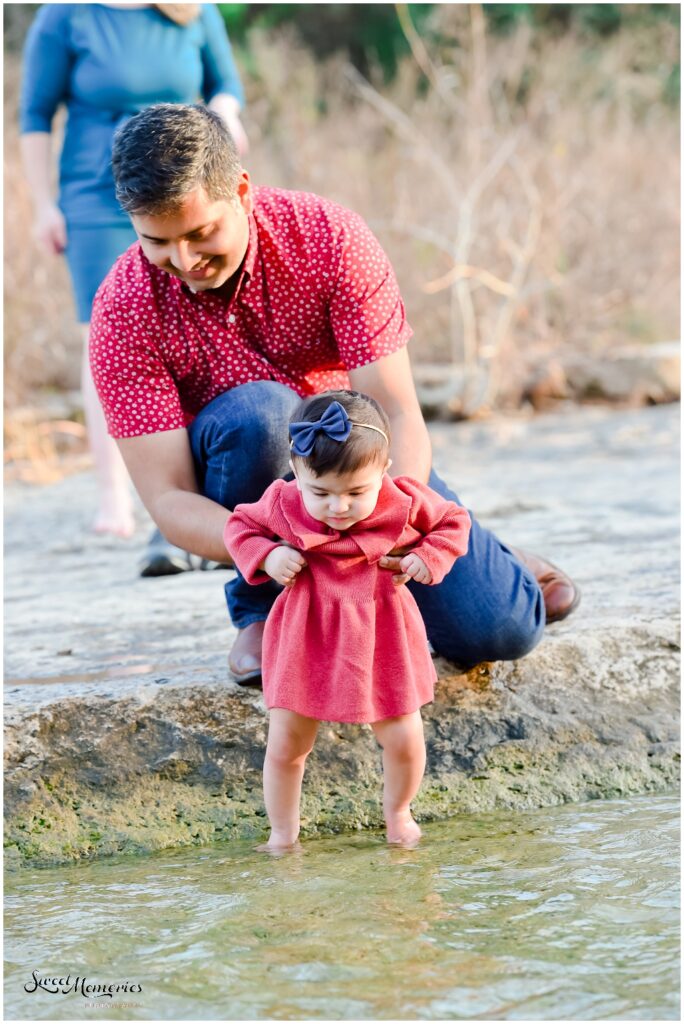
x=334 y=423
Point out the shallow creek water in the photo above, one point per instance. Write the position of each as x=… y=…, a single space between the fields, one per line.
x=562 y=913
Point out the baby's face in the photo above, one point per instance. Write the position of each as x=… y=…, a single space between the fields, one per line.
x=340 y=501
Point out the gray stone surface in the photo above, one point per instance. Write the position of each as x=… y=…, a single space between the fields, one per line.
x=123 y=733
x=632 y=373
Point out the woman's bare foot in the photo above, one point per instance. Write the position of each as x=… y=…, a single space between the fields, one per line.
x=402 y=830
x=115 y=515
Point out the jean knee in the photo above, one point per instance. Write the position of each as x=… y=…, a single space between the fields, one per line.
x=498 y=641
x=270 y=400
x=264 y=431
x=240 y=441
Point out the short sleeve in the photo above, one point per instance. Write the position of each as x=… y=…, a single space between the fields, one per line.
x=220 y=74
x=48 y=60
x=136 y=389
x=367 y=314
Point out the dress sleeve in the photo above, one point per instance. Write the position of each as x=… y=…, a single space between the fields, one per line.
x=47 y=64
x=444 y=524
x=249 y=536
x=219 y=71
x=367 y=313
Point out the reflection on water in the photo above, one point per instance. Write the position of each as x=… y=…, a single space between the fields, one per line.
x=567 y=913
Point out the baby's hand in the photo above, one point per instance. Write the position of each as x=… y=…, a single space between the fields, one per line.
x=283 y=563
x=416 y=568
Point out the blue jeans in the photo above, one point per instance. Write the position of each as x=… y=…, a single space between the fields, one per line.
x=488 y=608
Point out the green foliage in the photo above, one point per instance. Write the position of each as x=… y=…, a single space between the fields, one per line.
x=370 y=34
x=367 y=33
x=593 y=19
x=673 y=86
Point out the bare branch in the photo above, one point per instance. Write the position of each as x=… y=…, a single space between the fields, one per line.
x=464 y=270
x=405 y=126
x=420 y=53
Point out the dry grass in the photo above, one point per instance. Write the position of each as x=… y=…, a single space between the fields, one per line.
x=40 y=450
x=528 y=198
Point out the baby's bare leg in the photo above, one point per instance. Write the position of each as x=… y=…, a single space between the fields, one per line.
x=290 y=741
x=403 y=759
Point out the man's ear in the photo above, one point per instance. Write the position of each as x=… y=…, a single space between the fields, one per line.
x=244 y=193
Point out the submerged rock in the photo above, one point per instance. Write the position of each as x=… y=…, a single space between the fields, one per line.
x=123 y=733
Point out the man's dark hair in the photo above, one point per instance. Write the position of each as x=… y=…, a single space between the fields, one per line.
x=166 y=152
x=362 y=447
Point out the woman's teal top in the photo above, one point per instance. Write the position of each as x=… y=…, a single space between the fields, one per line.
x=106 y=64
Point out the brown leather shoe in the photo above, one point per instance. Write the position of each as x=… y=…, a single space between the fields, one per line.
x=561 y=595
x=244 y=661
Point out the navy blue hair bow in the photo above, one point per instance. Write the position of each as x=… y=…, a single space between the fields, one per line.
x=334 y=423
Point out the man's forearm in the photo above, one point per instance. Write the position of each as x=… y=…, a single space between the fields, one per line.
x=192 y=522
x=411 y=451
x=163 y=473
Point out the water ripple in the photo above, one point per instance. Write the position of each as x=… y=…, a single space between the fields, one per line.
x=566 y=913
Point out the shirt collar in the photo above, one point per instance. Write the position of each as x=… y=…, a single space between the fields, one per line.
x=252 y=247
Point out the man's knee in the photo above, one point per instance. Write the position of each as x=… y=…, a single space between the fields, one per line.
x=239 y=441
x=259 y=411
x=262 y=425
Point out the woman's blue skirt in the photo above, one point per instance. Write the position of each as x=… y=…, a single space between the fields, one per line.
x=90 y=253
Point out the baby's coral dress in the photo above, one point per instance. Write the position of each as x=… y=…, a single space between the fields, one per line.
x=344 y=643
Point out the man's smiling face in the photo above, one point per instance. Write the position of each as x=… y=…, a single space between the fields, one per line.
x=202 y=241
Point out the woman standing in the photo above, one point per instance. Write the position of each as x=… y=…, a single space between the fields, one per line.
x=106 y=62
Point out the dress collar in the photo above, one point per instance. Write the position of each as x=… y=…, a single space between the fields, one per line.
x=378 y=534
x=375 y=536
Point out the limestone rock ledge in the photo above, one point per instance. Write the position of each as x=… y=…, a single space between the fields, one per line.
x=168 y=766
x=123 y=735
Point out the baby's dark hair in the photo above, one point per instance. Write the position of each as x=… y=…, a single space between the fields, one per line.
x=362 y=447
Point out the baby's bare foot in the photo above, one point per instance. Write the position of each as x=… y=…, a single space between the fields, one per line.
x=279 y=843
x=402 y=830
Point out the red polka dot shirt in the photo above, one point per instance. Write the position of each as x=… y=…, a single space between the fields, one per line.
x=316 y=297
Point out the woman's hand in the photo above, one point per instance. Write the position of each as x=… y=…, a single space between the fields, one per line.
x=49 y=228
x=228 y=108
x=283 y=563
x=236 y=129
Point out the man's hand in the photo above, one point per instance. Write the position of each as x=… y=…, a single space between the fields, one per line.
x=405 y=568
x=415 y=567
x=283 y=563
x=393 y=564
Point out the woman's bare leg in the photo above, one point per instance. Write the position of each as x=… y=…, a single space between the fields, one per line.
x=115 y=505
x=290 y=740
x=403 y=760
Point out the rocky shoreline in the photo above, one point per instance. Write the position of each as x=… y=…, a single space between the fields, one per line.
x=124 y=735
